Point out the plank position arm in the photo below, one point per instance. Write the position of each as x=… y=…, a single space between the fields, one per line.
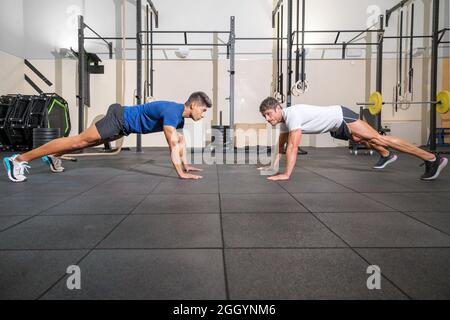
x=294 y=139
x=282 y=139
x=89 y=137
x=177 y=147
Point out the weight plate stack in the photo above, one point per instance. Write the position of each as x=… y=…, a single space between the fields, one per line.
x=43 y=135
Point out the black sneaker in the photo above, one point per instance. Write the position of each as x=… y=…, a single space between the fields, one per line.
x=384 y=161
x=434 y=168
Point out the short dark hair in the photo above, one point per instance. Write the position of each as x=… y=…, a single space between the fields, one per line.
x=268 y=103
x=200 y=97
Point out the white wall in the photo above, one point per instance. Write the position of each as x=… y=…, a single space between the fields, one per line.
x=11 y=74
x=11 y=46
x=12 y=27
x=51 y=24
x=48 y=25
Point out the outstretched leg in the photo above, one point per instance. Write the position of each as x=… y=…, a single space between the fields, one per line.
x=91 y=145
x=385 y=156
x=433 y=164
x=381 y=150
x=183 y=154
x=364 y=131
x=63 y=145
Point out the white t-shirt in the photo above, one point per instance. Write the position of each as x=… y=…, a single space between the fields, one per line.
x=312 y=119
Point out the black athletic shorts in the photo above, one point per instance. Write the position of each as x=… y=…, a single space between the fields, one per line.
x=111 y=126
x=343 y=132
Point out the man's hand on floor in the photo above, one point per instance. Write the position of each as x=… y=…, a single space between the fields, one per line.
x=190 y=176
x=279 y=177
x=191 y=168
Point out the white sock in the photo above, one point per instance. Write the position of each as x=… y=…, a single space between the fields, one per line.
x=432 y=160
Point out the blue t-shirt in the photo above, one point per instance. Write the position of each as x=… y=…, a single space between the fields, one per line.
x=152 y=116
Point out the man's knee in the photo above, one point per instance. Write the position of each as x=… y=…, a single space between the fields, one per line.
x=79 y=143
x=90 y=135
x=379 y=140
x=356 y=138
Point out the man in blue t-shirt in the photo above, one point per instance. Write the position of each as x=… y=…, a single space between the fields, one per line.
x=120 y=121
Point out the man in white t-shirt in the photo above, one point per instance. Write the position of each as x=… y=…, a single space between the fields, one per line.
x=342 y=123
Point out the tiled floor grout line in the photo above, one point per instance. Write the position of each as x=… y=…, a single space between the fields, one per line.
x=194 y=213
x=349 y=246
x=221 y=214
x=406 y=215
x=230 y=212
x=28 y=186
x=227 y=290
x=364 y=194
x=424 y=222
x=59 y=203
x=228 y=248
x=97 y=244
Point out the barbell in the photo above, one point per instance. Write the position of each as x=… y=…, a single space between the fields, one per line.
x=376 y=102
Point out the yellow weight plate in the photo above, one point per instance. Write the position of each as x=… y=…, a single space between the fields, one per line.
x=376 y=101
x=443 y=99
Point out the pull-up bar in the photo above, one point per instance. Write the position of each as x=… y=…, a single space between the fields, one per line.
x=334 y=31
x=109 y=44
x=362 y=32
x=182 y=31
x=230 y=45
x=82 y=67
x=110 y=38
x=397 y=6
x=261 y=38
x=442 y=35
x=155 y=12
x=341 y=44
x=275 y=10
x=185 y=33
x=407 y=37
x=184 y=44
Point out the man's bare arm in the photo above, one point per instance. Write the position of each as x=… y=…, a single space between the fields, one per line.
x=283 y=137
x=176 y=149
x=294 y=140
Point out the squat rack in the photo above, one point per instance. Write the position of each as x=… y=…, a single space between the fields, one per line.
x=436 y=37
x=81 y=97
x=300 y=74
x=230 y=45
x=149 y=44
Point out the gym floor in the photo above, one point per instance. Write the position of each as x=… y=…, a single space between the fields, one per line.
x=137 y=232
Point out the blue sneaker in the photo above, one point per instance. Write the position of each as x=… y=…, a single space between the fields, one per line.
x=15 y=169
x=54 y=163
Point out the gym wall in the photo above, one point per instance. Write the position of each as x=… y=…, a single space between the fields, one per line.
x=12 y=37
x=47 y=25
x=11 y=74
x=11 y=46
x=176 y=80
x=332 y=80
x=445 y=120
